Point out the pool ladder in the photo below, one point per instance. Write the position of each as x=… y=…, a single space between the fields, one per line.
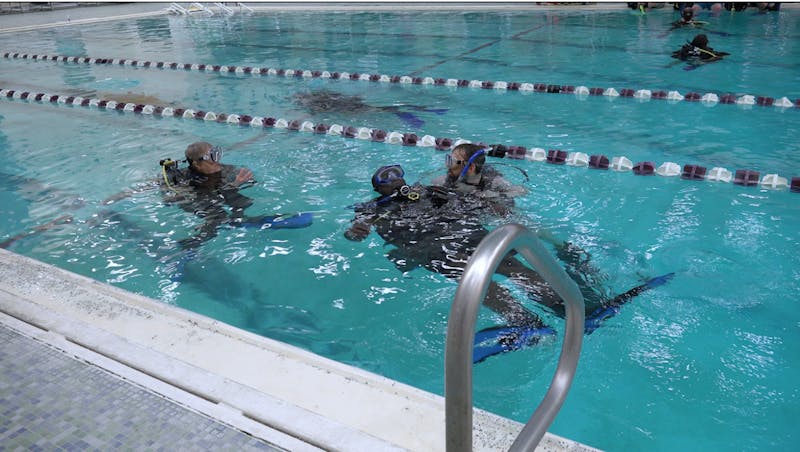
x=461 y=332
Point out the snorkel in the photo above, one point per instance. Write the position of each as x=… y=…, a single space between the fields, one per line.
x=470 y=162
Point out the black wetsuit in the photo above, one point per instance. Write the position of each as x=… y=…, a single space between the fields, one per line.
x=688 y=52
x=441 y=230
x=495 y=192
x=209 y=197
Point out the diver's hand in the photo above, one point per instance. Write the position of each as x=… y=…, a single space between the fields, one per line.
x=243 y=176
x=358 y=231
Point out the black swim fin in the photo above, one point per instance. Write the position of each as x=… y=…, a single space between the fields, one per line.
x=612 y=308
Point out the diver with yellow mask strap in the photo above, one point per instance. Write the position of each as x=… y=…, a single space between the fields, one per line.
x=698 y=52
x=211 y=190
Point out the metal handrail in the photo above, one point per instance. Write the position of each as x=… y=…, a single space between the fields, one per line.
x=461 y=332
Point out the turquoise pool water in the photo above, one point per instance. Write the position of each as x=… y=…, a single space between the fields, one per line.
x=706 y=362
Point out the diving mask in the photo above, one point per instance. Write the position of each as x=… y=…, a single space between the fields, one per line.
x=215 y=154
x=387 y=174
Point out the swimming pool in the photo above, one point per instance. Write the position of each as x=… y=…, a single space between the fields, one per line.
x=704 y=362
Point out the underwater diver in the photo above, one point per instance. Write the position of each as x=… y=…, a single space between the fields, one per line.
x=34 y=190
x=439 y=229
x=698 y=52
x=324 y=101
x=63 y=219
x=210 y=190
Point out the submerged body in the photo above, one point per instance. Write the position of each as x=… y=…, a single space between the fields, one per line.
x=326 y=101
x=439 y=229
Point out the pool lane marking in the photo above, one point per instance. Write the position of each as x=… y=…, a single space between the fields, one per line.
x=468 y=52
x=743 y=177
x=708 y=99
x=440 y=62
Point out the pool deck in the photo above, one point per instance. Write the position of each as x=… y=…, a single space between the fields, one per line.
x=16 y=22
x=88 y=366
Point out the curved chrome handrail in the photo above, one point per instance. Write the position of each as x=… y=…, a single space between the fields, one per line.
x=461 y=332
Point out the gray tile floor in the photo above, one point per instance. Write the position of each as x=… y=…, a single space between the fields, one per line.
x=52 y=401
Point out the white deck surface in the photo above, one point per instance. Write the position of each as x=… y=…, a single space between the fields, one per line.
x=280 y=393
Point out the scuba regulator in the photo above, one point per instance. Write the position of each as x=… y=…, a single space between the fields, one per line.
x=407 y=192
x=171 y=172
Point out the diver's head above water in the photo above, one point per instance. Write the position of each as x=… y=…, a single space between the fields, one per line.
x=203 y=157
x=700 y=41
x=388 y=179
x=465 y=161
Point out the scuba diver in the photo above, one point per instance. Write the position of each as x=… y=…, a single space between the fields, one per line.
x=439 y=229
x=698 y=52
x=209 y=189
x=468 y=173
x=687 y=19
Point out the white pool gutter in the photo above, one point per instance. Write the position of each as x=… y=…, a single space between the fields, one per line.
x=274 y=391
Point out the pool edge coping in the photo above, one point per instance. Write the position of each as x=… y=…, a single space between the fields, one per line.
x=299 y=6
x=199 y=355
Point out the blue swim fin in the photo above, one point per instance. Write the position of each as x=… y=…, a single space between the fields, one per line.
x=410 y=119
x=286 y=221
x=611 y=309
x=500 y=339
x=598 y=316
x=438 y=111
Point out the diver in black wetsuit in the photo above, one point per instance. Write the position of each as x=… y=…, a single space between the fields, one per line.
x=467 y=172
x=687 y=19
x=439 y=229
x=698 y=51
x=210 y=190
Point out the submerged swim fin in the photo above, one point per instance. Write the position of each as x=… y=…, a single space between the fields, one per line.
x=438 y=111
x=500 y=339
x=410 y=119
x=287 y=221
x=180 y=266
x=611 y=309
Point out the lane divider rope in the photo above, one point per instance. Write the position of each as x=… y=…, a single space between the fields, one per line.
x=744 y=177
x=708 y=99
